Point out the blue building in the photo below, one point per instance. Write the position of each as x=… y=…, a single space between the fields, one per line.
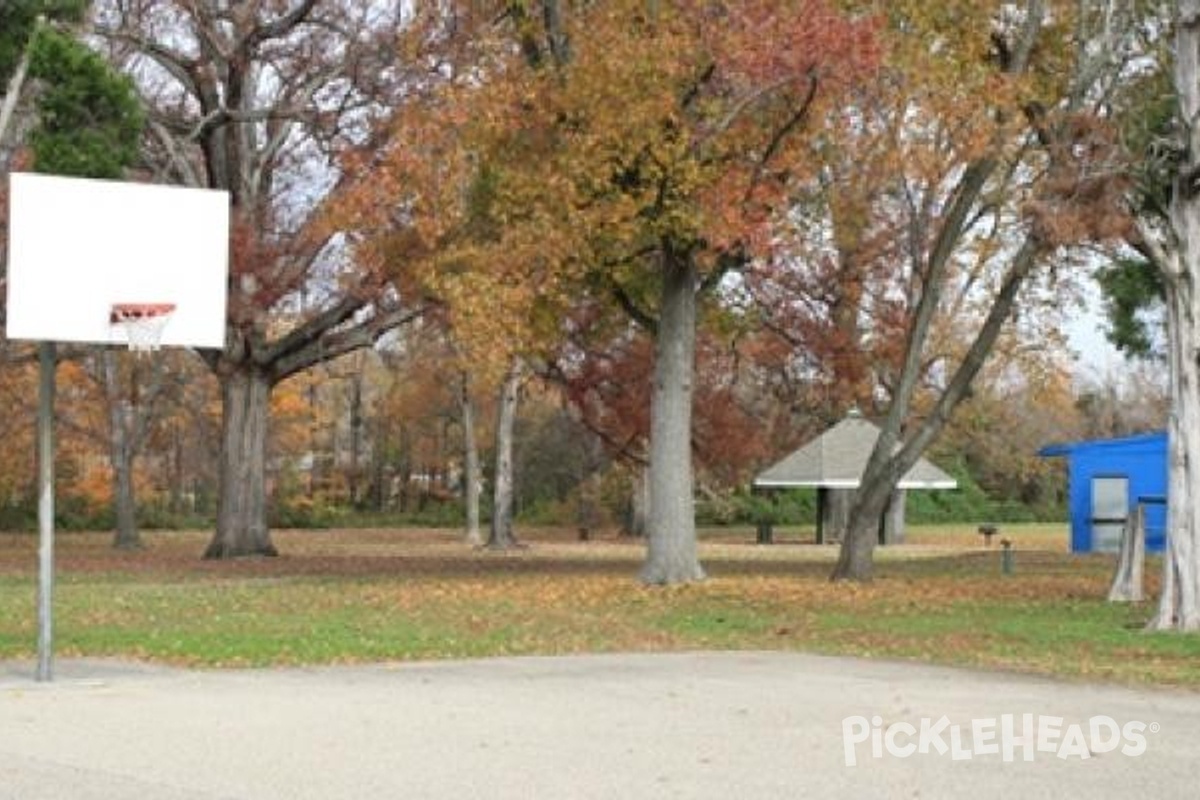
x=1106 y=480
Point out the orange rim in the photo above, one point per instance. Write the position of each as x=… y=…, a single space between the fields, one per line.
x=125 y=312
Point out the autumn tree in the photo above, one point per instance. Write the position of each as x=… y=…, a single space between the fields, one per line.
x=1018 y=403
x=639 y=174
x=258 y=99
x=606 y=379
x=1004 y=107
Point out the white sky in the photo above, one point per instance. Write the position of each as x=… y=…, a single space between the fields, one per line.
x=1085 y=332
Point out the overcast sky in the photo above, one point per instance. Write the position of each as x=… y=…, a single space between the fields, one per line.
x=1086 y=334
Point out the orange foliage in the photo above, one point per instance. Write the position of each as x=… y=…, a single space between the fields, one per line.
x=517 y=193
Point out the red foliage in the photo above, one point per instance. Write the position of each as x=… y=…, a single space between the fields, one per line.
x=610 y=387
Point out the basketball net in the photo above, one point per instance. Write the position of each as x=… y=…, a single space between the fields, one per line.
x=142 y=324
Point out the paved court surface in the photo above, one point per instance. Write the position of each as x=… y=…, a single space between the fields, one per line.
x=734 y=726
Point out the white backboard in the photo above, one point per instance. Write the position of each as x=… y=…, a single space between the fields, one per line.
x=78 y=246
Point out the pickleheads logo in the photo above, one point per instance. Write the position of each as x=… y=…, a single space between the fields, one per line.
x=1008 y=736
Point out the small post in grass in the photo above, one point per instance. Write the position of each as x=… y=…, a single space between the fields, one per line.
x=1007 y=559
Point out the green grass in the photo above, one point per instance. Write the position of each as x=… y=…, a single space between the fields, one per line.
x=353 y=596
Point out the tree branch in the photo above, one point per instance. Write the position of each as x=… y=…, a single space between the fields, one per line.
x=177 y=65
x=276 y=28
x=1022 y=264
x=311 y=329
x=786 y=129
x=639 y=315
x=333 y=345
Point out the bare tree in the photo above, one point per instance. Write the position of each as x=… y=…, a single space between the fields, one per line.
x=259 y=99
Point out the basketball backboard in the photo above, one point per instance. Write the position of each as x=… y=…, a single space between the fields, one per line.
x=79 y=246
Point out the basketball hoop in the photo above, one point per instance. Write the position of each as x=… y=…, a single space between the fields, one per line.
x=141 y=323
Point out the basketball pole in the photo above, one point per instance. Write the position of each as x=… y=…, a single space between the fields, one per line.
x=45 y=449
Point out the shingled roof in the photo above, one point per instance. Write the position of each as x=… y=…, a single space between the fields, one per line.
x=836 y=459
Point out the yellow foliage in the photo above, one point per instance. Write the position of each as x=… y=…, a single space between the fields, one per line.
x=516 y=194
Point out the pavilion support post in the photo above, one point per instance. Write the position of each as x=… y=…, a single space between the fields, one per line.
x=822 y=501
x=836 y=513
x=891 y=529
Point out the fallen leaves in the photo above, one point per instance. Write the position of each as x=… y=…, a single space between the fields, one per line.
x=377 y=595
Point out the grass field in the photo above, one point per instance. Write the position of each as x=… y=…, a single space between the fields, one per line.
x=367 y=595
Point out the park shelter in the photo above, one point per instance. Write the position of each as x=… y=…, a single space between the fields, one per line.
x=1106 y=480
x=833 y=464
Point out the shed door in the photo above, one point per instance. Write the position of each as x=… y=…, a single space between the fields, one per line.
x=1110 y=510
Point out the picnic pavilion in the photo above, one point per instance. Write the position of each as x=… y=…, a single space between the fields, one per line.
x=833 y=464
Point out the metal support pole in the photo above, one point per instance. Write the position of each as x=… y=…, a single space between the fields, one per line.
x=45 y=450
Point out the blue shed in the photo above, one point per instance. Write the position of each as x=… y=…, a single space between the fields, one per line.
x=1106 y=479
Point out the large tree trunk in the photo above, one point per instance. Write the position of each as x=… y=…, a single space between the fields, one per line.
x=501 y=536
x=856 y=558
x=126 y=536
x=471 y=481
x=242 y=502
x=671 y=555
x=121 y=450
x=1178 y=608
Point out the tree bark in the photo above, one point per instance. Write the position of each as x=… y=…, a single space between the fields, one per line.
x=126 y=536
x=639 y=505
x=241 y=506
x=12 y=95
x=856 y=559
x=501 y=536
x=671 y=555
x=1177 y=608
x=471 y=479
x=1128 y=585
x=121 y=452
x=1180 y=264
